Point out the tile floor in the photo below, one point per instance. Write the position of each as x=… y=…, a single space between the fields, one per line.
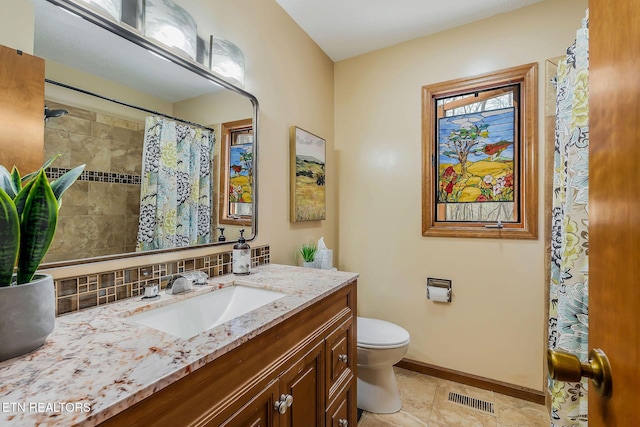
x=425 y=404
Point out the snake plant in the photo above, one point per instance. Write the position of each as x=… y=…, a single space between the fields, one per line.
x=28 y=217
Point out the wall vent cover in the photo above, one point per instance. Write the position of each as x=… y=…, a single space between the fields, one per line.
x=461 y=399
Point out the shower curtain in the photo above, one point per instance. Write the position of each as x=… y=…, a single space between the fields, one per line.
x=569 y=286
x=175 y=196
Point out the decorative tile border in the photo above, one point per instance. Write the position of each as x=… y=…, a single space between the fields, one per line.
x=96 y=176
x=80 y=292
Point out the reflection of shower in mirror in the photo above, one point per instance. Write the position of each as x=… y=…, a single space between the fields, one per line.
x=53 y=113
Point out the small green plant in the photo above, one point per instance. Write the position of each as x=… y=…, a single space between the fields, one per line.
x=308 y=252
x=28 y=217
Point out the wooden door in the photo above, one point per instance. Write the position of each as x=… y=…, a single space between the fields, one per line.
x=21 y=110
x=304 y=381
x=614 y=210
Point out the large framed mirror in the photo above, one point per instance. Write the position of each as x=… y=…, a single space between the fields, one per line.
x=110 y=86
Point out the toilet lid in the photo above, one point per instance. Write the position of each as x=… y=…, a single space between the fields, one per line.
x=376 y=333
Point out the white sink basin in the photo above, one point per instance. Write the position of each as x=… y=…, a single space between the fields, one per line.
x=189 y=317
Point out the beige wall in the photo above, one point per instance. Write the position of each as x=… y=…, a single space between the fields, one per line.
x=494 y=327
x=16 y=28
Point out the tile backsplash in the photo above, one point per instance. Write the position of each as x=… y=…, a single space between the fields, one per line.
x=80 y=292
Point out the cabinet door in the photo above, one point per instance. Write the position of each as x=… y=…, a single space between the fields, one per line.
x=258 y=412
x=340 y=413
x=304 y=381
x=21 y=110
x=340 y=357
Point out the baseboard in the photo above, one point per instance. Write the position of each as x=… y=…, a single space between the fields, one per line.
x=474 y=381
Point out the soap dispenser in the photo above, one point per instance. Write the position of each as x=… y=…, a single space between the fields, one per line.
x=241 y=263
x=221 y=237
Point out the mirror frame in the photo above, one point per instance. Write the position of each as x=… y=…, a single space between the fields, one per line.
x=139 y=40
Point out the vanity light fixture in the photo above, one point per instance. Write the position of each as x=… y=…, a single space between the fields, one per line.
x=110 y=8
x=227 y=60
x=171 y=25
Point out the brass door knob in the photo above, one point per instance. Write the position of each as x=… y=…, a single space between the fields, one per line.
x=567 y=367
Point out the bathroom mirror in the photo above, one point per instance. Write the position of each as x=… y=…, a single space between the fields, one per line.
x=110 y=79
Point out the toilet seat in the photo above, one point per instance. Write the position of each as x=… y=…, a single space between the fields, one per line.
x=380 y=334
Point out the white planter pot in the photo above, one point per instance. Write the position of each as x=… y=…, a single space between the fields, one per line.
x=27 y=316
x=309 y=264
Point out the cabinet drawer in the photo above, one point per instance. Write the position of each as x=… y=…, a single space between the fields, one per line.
x=340 y=414
x=341 y=356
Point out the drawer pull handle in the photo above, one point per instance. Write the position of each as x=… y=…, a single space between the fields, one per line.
x=343 y=358
x=343 y=423
x=285 y=401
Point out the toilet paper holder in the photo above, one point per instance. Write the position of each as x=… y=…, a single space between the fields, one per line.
x=439 y=289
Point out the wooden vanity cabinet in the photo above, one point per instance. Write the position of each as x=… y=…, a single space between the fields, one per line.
x=310 y=356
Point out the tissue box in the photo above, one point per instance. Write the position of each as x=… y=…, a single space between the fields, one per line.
x=324 y=259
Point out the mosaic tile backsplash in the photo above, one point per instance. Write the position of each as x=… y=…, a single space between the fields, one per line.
x=80 y=292
x=95 y=176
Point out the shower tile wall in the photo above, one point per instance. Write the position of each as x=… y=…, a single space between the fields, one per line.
x=99 y=214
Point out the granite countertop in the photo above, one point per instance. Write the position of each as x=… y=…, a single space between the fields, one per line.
x=96 y=364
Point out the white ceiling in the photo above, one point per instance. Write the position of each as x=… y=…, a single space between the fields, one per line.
x=346 y=28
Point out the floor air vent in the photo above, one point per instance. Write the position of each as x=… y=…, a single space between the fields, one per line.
x=471 y=402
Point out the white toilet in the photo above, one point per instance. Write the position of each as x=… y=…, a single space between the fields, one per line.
x=381 y=344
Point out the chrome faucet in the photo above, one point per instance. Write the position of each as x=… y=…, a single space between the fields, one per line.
x=183 y=282
x=178 y=285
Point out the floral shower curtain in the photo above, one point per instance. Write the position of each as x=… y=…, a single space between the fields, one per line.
x=175 y=196
x=569 y=287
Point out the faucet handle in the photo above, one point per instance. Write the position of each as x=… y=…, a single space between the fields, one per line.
x=151 y=291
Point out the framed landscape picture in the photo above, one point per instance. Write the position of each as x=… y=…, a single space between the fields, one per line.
x=307 y=160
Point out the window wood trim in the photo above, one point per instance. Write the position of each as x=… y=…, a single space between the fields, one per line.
x=227 y=129
x=527 y=226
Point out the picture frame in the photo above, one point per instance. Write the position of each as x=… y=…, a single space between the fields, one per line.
x=307 y=179
x=236 y=173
